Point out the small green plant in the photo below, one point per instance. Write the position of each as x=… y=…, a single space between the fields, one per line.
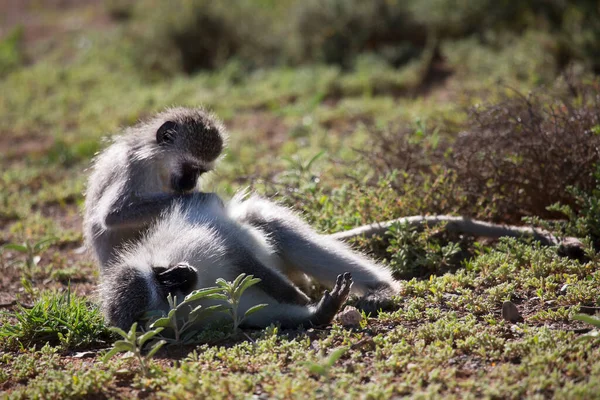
x=133 y=342
x=323 y=367
x=299 y=172
x=595 y=322
x=56 y=318
x=182 y=324
x=415 y=253
x=232 y=294
x=183 y=318
x=32 y=252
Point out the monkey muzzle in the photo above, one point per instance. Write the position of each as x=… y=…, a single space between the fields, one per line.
x=187 y=179
x=179 y=278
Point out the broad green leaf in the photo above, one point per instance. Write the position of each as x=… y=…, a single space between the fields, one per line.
x=132 y=333
x=222 y=283
x=16 y=247
x=254 y=309
x=335 y=355
x=317 y=369
x=110 y=354
x=119 y=331
x=588 y=336
x=155 y=348
x=218 y=296
x=587 y=319
x=148 y=335
x=42 y=243
x=245 y=284
x=200 y=294
x=163 y=322
x=236 y=281
x=212 y=309
x=123 y=345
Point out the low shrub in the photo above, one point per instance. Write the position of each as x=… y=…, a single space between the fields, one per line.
x=521 y=153
x=511 y=159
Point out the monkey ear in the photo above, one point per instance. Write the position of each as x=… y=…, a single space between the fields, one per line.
x=166 y=133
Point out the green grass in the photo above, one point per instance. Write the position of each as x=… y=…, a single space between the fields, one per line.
x=306 y=136
x=62 y=319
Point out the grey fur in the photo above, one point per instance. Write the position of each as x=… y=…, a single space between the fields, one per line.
x=151 y=232
x=251 y=235
x=133 y=180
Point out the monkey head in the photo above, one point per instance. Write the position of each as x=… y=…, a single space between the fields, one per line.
x=191 y=140
x=129 y=291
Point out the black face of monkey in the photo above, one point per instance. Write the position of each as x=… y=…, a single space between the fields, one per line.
x=187 y=178
x=199 y=144
x=179 y=278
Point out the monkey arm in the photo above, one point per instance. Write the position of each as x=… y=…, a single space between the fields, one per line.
x=140 y=212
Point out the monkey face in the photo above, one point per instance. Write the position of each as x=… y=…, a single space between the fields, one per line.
x=180 y=278
x=186 y=178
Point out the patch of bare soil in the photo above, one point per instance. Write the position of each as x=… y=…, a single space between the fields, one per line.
x=262 y=125
x=51 y=19
x=16 y=147
x=68 y=256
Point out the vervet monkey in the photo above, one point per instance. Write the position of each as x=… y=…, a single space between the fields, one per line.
x=198 y=241
x=143 y=171
x=147 y=176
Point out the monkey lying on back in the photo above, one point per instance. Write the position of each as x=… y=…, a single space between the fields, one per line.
x=195 y=243
x=148 y=175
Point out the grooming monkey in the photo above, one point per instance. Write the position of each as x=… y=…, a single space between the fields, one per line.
x=148 y=175
x=143 y=171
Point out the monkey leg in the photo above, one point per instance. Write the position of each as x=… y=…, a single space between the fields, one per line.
x=292 y=316
x=301 y=248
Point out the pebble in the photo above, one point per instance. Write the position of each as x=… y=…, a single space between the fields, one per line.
x=350 y=316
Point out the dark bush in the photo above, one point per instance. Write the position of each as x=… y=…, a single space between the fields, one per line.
x=336 y=31
x=192 y=35
x=416 y=150
x=511 y=159
x=522 y=153
x=119 y=10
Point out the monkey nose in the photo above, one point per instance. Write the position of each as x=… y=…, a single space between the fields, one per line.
x=184 y=183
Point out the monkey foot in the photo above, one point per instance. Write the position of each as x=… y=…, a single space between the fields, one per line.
x=331 y=303
x=376 y=300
